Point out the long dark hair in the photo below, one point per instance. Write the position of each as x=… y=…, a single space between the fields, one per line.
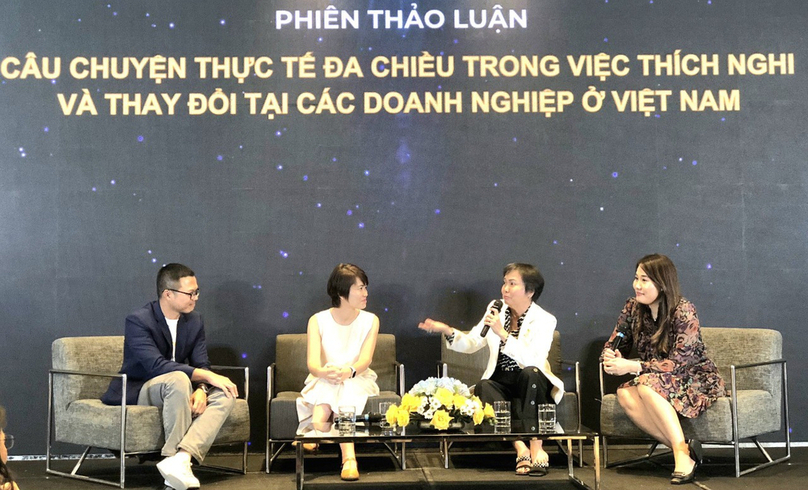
x=5 y=475
x=661 y=271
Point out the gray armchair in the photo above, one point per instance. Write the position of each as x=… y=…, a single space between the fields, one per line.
x=82 y=370
x=285 y=379
x=749 y=360
x=468 y=368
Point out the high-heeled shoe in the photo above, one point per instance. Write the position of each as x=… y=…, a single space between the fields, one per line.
x=350 y=472
x=679 y=478
x=696 y=451
x=696 y=454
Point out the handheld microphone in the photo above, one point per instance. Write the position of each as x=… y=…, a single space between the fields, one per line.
x=620 y=337
x=497 y=306
x=370 y=417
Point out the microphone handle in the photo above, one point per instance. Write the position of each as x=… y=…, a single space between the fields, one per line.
x=371 y=417
x=618 y=339
x=497 y=306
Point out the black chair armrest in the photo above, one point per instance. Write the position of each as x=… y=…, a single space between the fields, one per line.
x=244 y=389
x=271 y=382
x=442 y=369
x=400 y=383
x=756 y=364
x=577 y=373
x=601 y=380
x=87 y=373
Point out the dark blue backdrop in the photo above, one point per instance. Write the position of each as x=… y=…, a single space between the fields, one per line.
x=430 y=205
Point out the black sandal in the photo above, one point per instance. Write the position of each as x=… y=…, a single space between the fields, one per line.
x=539 y=469
x=523 y=462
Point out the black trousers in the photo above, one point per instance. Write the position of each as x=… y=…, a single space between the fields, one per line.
x=525 y=389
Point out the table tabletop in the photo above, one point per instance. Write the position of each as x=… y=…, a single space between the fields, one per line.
x=418 y=431
x=328 y=432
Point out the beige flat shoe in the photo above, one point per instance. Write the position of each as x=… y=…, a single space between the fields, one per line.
x=349 y=470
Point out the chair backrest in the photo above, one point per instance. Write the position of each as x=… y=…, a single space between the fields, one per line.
x=87 y=354
x=735 y=346
x=291 y=368
x=468 y=368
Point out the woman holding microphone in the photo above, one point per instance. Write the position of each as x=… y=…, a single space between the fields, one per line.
x=673 y=377
x=518 y=339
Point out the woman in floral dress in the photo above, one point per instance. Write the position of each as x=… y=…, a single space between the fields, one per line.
x=673 y=377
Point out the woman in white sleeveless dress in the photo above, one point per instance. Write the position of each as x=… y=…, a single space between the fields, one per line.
x=341 y=341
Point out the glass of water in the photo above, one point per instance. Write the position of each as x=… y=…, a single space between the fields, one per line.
x=502 y=417
x=346 y=420
x=383 y=408
x=547 y=418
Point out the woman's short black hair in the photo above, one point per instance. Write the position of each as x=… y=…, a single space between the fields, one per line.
x=342 y=278
x=534 y=281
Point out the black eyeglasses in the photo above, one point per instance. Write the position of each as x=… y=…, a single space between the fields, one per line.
x=193 y=294
x=9 y=441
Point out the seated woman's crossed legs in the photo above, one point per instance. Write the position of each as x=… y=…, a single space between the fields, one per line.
x=656 y=416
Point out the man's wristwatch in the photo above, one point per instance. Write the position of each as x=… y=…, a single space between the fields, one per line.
x=353 y=371
x=205 y=388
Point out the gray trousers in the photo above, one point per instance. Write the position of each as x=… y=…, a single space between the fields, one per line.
x=171 y=392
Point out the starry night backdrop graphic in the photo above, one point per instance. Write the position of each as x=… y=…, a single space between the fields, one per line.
x=432 y=205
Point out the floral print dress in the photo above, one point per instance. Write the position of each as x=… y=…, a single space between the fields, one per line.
x=686 y=377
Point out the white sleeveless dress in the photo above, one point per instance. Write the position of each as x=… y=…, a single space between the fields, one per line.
x=341 y=345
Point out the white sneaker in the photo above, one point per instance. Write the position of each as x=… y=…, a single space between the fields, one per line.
x=177 y=473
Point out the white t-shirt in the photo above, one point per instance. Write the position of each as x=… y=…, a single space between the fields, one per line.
x=172 y=327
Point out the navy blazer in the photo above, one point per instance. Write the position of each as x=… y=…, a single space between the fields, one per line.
x=147 y=350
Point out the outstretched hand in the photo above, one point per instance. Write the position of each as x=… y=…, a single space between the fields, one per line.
x=433 y=326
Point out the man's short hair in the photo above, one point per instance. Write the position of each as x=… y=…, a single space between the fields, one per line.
x=170 y=275
x=342 y=278
x=534 y=281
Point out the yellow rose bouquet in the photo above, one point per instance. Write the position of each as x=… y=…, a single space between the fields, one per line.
x=440 y=401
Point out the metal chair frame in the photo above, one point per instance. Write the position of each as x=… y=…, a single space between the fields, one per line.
x=443 y=371
x=74 y=474
x=276 y=446
x=736 y=441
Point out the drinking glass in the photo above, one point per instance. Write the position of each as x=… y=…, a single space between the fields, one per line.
x=383 y=408
x=502 y=417
x=346 y=420
x=547 y=418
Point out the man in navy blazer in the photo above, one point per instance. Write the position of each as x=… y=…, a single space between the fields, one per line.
x=164 y=357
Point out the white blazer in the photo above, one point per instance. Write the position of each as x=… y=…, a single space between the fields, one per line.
x=530 y=348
